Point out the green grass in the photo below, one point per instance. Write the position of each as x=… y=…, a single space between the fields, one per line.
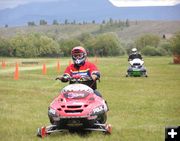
x=140 y=108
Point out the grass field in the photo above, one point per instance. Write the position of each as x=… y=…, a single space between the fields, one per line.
x=140 y=108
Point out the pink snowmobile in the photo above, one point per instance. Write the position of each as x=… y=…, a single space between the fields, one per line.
x=77 y=108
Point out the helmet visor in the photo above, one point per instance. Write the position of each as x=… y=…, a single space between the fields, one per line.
x=78 y=55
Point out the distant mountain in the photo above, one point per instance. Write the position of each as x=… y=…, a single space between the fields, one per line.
x=83 y=10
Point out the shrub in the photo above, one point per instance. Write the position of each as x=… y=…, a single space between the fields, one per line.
x=105 y=45
x=147 y=40
x=5 y=48
x=150 y=51
x=167 y=47
x=161 y=51
x=34 y=45
x=175 y=42
x=67 y=45
x=128 y=47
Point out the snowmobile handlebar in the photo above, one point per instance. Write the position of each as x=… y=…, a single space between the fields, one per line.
x=76 y=78
x=80 y=78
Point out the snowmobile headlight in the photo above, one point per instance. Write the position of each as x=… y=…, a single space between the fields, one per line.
x=52 y=111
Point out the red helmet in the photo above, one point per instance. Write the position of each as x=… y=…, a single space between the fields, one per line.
x=79 y=55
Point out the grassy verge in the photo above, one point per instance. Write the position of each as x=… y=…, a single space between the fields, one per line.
x=140 y=108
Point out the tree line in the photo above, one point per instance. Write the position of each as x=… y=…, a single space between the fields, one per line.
x=39 y=45
x=110 y=21
x=104 y=44
x=152 y=45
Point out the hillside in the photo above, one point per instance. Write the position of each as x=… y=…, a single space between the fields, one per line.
x=54 y=31
x=160 y=28
x=83 y=10
x=135 y=29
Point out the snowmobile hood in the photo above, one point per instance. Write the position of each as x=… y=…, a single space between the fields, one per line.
x=136 y=61
x=77 y=87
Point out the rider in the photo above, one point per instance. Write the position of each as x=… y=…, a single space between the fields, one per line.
x=83 y=68
x=134 y=55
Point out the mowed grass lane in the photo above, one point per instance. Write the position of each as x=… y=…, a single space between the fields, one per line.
x=140 y=108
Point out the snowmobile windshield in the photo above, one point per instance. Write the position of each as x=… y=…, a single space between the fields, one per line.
x=76 y=95
x=77 y=88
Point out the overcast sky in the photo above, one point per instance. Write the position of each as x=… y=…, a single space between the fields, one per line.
x=13 y=3
x=120 y=3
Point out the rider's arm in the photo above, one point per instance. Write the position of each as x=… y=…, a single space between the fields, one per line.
x=66 y=76
x=140 y=57
x=130 y=57
x=95 y=74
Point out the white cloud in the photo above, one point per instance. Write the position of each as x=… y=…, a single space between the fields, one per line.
x=135 y=3
x=13 y=3
x=119 y=3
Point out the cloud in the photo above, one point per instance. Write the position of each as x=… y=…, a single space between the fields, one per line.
x=136 y=3
x=119 y=3
x=14 y=3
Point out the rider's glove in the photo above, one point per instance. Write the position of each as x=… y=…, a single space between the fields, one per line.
x=95 y=76
x=64 y=78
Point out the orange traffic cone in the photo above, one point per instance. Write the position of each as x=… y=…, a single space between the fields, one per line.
x=70 y=62
x=58 y=67
x=16 y=73
x=96 y=60
x=44 y=69
x=3 y=64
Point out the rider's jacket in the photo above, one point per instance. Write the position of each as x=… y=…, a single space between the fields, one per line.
x=87 y=69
